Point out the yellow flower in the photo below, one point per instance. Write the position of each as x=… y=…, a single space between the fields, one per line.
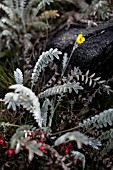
x=80 y=39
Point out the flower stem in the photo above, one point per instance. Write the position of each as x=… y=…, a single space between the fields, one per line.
x=63 y=131
x=74 y=47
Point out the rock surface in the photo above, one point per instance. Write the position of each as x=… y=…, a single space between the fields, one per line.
x=95 y=54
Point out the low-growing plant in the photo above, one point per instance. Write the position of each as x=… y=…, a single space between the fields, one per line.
x=33 y=139
x=23 y=20
x=100 y=10
x=21 y=27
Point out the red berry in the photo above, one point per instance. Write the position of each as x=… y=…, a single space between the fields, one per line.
x=66 y=151
x=63 y=145
x=42 y=148
x=10 y=152
x=42 y=135
x=70 y=146
x=2 y=142
x=25 y=148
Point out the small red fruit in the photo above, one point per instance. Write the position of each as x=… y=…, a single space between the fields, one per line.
x=42 y=148
x=2 y=141
x=70 y=146
x=25 y=148
x=63 y=145
x=1 y=137
x=10 y=152
x=42 y=135
x=66 y=151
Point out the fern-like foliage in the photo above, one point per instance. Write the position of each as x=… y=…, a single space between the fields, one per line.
x=7 y=10
x=42 y=4
x=42 y=62
x=79 y=138
x=100 y=120
x=44 y=111
x=22 y=18
x=106 y=135
x=25 y=97
x=64 y=62
x=23 y=7
x=108 y=147
x=86 y=78
x=19 y=28
x=101 y=10
x=47 y=108
x=67 y=87
x=91 y=80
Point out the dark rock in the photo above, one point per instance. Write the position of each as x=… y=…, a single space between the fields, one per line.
x=95 y=54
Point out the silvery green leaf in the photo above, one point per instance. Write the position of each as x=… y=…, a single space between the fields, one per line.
x=76 y=70
x=25 y=97
x=42 y=62
x=70 y=136
x=44 y=111
x=34 y=147
x=65 y=59
x=98 y=78
x=31 y=155
x=99 y=120
x=6 y=33
x=87 y=73
x=11 y=99
x=101 y=82
x=94 y=143
x=90 y=82
x=92 y=75
x=83 y=77
x=86 y=80
x=61 y=89
x=18 y=147
x=80 y=156
x=24 y=127
x=94 y=84
x=13 y=143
